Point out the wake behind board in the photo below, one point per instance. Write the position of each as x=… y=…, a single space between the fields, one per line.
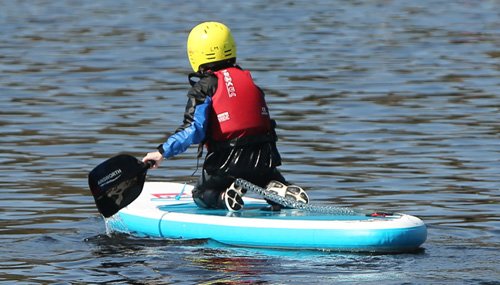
x=166 y=210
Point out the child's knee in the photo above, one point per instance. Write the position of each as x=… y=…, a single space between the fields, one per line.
x=207 y=198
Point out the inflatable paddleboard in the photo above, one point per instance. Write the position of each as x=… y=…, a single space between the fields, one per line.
x=166 y=210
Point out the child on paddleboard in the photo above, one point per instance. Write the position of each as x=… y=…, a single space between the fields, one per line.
x=227 y=113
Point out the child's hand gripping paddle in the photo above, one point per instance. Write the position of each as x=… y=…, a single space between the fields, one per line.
x=117 y=182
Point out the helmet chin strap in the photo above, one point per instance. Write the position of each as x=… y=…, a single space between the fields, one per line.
x=217 y=65
x=194 y=77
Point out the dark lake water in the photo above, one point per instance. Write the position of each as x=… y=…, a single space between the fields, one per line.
x=381 y=104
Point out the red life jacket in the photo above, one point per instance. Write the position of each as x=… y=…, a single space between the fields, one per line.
x=239 y=108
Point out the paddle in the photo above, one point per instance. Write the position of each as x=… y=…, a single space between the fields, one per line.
x=117 y=182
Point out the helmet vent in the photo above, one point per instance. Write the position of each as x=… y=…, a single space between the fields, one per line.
x=210 y=56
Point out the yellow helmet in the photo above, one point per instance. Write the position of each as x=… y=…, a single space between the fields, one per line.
x=210 y=42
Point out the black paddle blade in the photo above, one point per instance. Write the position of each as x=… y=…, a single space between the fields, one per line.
x=117 y=182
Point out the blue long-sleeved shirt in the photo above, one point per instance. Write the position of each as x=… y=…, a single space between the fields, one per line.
x=192 y=132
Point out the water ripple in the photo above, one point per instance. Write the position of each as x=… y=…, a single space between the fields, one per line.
x=380 y=104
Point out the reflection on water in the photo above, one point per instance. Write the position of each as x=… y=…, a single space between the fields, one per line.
x=380 y=104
